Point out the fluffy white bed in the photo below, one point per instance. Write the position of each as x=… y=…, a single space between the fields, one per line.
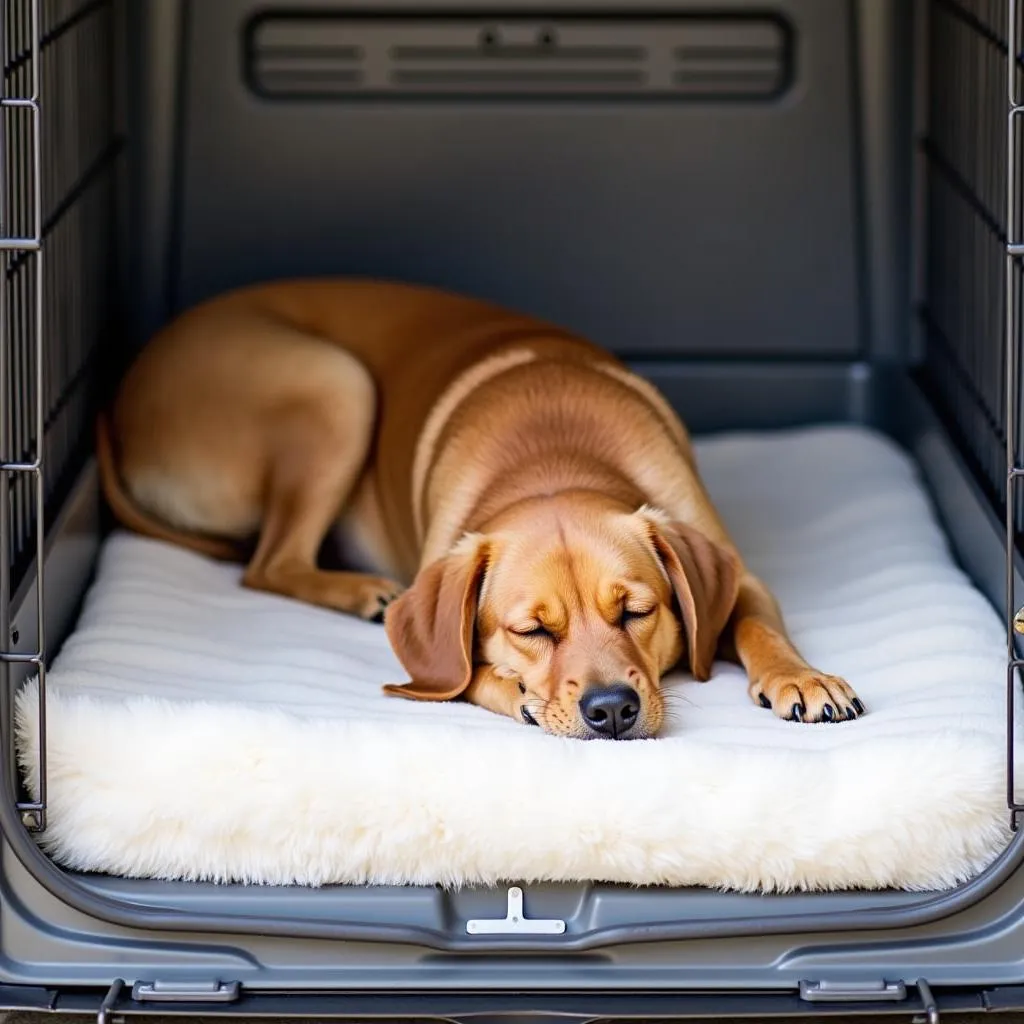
x=199 y=731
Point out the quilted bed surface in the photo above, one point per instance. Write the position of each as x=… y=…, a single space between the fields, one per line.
x=200 y=731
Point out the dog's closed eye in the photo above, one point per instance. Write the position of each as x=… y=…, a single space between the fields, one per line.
x=533 y=633
x=632 y=614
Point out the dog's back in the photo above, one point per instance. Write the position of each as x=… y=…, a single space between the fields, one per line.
x=353 y=366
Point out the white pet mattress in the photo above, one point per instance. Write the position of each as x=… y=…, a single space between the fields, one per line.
x=200 y=731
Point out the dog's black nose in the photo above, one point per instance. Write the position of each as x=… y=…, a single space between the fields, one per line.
x=610 y=710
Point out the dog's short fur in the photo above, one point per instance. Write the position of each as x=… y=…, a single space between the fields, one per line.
x=542 y=501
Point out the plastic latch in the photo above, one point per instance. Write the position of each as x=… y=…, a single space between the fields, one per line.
x=852 y=991
x=185 y=991
x=515 y=921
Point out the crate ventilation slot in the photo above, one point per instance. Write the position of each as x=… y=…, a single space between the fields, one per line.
x=685 y=57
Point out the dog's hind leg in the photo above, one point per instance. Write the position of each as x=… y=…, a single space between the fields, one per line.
x=319 y=454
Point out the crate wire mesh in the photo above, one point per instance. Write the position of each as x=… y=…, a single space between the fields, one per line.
x=973 y=152
x=66 y=178
x=58 y=144
x=1013 y=366
x=23 y=485
x=965 y=181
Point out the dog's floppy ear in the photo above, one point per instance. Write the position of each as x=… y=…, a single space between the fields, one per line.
x=430 y=625
x=706 y=579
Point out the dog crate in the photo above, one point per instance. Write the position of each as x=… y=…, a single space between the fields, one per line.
x=783 y=213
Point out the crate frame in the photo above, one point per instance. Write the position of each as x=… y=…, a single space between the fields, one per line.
x=24 y=602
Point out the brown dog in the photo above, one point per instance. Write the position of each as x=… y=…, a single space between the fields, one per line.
x=543 y=500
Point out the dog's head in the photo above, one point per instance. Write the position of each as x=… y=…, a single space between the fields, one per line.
x=565 y=615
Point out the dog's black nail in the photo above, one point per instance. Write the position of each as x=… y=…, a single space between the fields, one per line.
x=798 y=713
x=827 y=713
x=850 y=713
x=765 y=702
x=858 y=706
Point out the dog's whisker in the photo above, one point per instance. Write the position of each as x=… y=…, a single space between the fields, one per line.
x=537 y=707
x=672 y=698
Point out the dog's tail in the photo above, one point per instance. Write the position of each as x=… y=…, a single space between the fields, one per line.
x=130 y=515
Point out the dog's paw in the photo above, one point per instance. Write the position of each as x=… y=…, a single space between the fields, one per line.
x=374 y=596
x=806 y=695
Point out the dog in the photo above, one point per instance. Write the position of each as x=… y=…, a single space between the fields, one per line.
x=526 y=514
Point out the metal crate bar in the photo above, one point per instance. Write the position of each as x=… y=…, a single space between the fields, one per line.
x=970 y=311
x=59 y=148
x=1014 y=246
x=30 y=468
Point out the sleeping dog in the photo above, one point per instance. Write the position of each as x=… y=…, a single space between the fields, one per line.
x=528 y=512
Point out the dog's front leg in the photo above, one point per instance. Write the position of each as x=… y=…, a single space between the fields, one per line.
x=780 y=678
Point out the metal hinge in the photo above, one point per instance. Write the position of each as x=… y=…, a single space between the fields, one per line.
x=515 y=921
x=870 y=992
